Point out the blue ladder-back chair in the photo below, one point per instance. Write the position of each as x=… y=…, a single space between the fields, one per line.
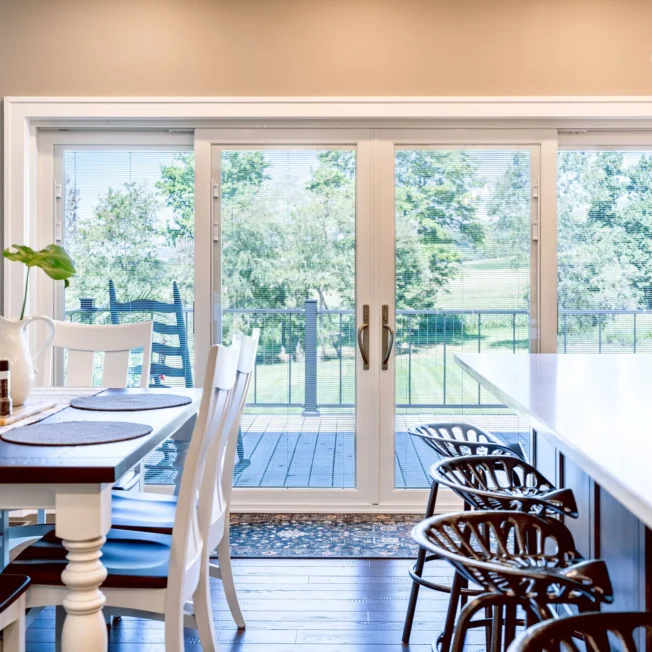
x=162 y=351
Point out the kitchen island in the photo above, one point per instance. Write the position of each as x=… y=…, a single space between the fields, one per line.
x=591 y=430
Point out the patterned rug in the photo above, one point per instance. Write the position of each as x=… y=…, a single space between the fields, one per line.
x=335 y=536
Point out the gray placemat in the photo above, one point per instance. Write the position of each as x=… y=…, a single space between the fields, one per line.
x=129 y=402
x=76 y=433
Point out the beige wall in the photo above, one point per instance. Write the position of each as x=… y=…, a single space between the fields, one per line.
x=325 y=47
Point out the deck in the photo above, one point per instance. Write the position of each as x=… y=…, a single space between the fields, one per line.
x=319 y=452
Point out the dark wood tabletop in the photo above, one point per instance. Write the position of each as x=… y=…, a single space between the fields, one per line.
x=98 y=463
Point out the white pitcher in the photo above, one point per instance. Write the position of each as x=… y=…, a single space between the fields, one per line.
x=14 y=347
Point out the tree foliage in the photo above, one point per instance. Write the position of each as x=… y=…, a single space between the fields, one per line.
x=120 y=241
x=436 y=219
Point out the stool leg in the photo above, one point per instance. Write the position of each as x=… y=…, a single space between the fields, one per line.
x=451 y=612
x=510 y=625
x=418 y=569
x=497 y=629
x=485 y=601
x=489 y=629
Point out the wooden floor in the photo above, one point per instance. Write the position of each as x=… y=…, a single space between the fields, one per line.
x=319 y=452
x=299 y=605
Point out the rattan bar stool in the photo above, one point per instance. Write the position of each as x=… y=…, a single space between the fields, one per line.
x=593 y=632
x=449 y=440
x=518 y=560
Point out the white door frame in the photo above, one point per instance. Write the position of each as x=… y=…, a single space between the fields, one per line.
x=542 y=331
x=209 y=142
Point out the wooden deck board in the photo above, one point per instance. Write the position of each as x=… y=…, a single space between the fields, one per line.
x=319 y=452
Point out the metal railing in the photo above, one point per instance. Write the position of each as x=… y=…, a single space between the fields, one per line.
x=294 y=341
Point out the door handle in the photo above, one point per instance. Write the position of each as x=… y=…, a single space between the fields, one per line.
x=388 y=338
x=363 y=337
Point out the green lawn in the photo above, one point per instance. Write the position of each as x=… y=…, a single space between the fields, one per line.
x=427 y=371
x=481 y=285
x=486 y=285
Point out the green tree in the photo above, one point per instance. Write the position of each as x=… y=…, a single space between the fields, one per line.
x=119 y=242
x=594 y=264
x=509 y=211
x=436 y=220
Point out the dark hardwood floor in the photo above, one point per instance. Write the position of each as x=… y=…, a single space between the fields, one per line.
x=299 y=605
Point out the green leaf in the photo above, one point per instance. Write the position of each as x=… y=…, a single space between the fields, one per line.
x=53 y=260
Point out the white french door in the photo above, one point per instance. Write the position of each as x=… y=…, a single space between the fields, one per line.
x=291 y=240
x=367 y=258
x=456 y=271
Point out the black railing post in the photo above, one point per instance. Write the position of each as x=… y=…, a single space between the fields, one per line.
x=341 y=354
x=310 y=399
x=87 y=308
x=290 y=361
x=479 y=349
x=444 y=357
x=409 y=336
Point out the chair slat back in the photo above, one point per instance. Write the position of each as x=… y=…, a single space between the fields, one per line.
x=179 y=328
x=221 y=457
x=82 y=341
x=187 y=536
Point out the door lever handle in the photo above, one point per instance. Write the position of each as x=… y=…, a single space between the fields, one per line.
x=388 y=338
x=363 y=337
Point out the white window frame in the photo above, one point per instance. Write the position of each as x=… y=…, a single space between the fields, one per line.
x=208 y=143
x=50 y=146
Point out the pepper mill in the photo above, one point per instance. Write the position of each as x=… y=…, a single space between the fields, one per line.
x=5 y=388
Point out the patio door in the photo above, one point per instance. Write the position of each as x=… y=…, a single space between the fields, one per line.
x=457 y=271
x=290 y=232
x=368 y=259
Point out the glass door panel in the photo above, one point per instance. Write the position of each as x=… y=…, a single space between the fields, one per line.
x=127 y=220
x=462 y=220
x=604 y=279
x=287 y=266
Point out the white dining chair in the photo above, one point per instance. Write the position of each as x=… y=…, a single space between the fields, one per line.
x=12 y=612
x=82 y=342
x=152 y=575
x=116 y=341
x=156 y=512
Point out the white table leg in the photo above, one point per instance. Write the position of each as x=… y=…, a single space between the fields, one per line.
x=83 y=519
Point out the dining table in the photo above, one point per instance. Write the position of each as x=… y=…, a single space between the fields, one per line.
x=77 y=482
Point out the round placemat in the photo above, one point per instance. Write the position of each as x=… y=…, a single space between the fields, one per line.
x=129 y=402
x=75 y=433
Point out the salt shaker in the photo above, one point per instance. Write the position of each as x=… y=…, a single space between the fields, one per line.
x=5 y=398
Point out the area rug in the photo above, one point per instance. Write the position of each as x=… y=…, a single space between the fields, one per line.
x=313 y=536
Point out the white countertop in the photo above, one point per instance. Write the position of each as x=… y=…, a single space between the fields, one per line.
x=598 y=408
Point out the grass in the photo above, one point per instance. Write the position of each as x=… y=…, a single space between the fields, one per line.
x=426 y=362
x=428 y=385
x=435 y=378
x=486 y=285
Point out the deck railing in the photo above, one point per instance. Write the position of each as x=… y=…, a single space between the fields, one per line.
x=300 y=346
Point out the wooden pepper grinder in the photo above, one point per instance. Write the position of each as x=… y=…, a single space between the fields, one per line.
x=5 y=387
